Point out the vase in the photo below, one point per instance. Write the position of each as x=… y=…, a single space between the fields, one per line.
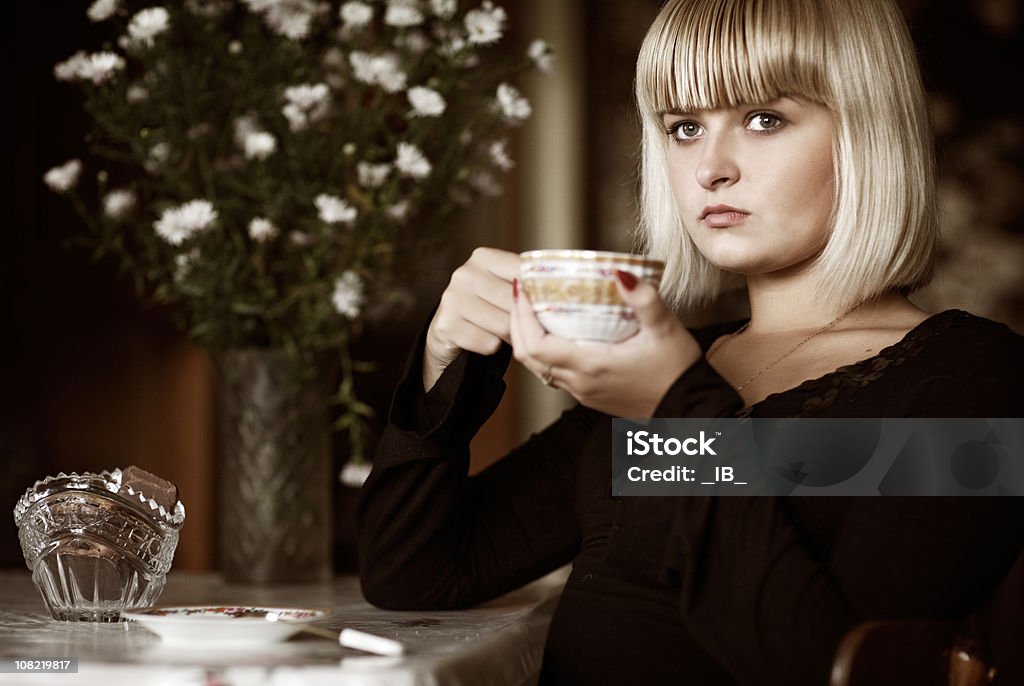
x=274 y=470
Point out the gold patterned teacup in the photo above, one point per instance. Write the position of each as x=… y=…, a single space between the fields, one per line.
x=574 y=295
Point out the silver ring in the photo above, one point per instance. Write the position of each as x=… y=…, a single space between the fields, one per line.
x=548 y=378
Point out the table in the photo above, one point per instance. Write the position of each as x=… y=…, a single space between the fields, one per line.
x=498 y=643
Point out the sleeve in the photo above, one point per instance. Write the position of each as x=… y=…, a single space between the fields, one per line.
x=770 y=606
x=700 y=391
x=430 y=536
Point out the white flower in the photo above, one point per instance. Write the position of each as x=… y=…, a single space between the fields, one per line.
x=348 y=294
x=499 y=153
x=362 y=66
x=412 y=162
x=485 y=183
x=292 y=25
x=101 y=10
x=402 y=13
x=118 y=203
x=307 y=103
x=541 y=54
x=261 y=6
x=301 y=239
x=444 y=8
x=292 y=19
x=372 y=175
x=178 y=224
x=235 y=47
x=69 y=69
x=259 y=145
x=485 y=25
x=65 y=177
x=513 y=105
x=334 y=210
x=307 y=95
x=399 y=211
x=262 y=229
x=392 y=80
x=244 y=125
x=159 y=153
x=147 y=25
x=97 y=67
x=453 y=47
x=426 y=102
x=354 y=474
x=381 y=70
x=136 y=94
x=356 y=14
x=100 y=67
x=297 y=119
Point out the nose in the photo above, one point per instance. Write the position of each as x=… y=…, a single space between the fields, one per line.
x=717 y=165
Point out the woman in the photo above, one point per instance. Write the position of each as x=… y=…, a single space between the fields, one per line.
x=785 y=142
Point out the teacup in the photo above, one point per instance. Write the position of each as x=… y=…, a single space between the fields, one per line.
x=574 y=295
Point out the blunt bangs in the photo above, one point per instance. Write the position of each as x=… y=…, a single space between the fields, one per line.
x=742 y=53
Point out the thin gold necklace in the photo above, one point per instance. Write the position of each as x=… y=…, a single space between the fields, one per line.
x=715 y=349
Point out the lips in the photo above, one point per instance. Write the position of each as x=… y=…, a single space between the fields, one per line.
x=723 y=216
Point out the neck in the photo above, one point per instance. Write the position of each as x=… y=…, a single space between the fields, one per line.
x=778 y=306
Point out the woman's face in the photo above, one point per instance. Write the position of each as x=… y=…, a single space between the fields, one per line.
x=754 y=184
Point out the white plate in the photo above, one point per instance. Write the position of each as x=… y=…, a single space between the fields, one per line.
x=223 y=624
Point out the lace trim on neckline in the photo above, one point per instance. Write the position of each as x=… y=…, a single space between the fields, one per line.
x=824 y=390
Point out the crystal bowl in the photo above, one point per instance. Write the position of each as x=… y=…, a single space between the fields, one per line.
x=95 y=547
x=574 y=295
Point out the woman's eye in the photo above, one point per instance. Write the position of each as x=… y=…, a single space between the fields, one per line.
x=763 y=122
x=685 y=130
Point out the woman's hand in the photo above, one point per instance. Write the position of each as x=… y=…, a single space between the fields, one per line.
x=474 y=312
x=625 y=379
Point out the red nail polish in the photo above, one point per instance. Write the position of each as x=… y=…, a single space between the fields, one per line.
x=515 y=290
x=627 y=280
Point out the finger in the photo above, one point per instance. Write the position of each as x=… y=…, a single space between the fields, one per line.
x=537 y=343
x=500 y=263
x=477 y=281
x=496 y=292
x=466 y=322
x=529 y=326
x=450 y=334
x=520 y=347
x=643 y=298
x=516 y=335
x=477 y=340
x=486 y=316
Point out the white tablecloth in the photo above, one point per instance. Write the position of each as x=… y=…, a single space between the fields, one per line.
x=499 y=643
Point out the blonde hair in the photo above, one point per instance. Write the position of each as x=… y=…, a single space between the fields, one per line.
x=855 y=57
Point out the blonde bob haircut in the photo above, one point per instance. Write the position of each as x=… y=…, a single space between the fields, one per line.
x=854 y=57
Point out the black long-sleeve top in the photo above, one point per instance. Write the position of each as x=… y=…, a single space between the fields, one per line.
x=701 y=590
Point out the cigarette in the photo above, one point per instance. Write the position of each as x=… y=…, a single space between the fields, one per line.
x=360 y=640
